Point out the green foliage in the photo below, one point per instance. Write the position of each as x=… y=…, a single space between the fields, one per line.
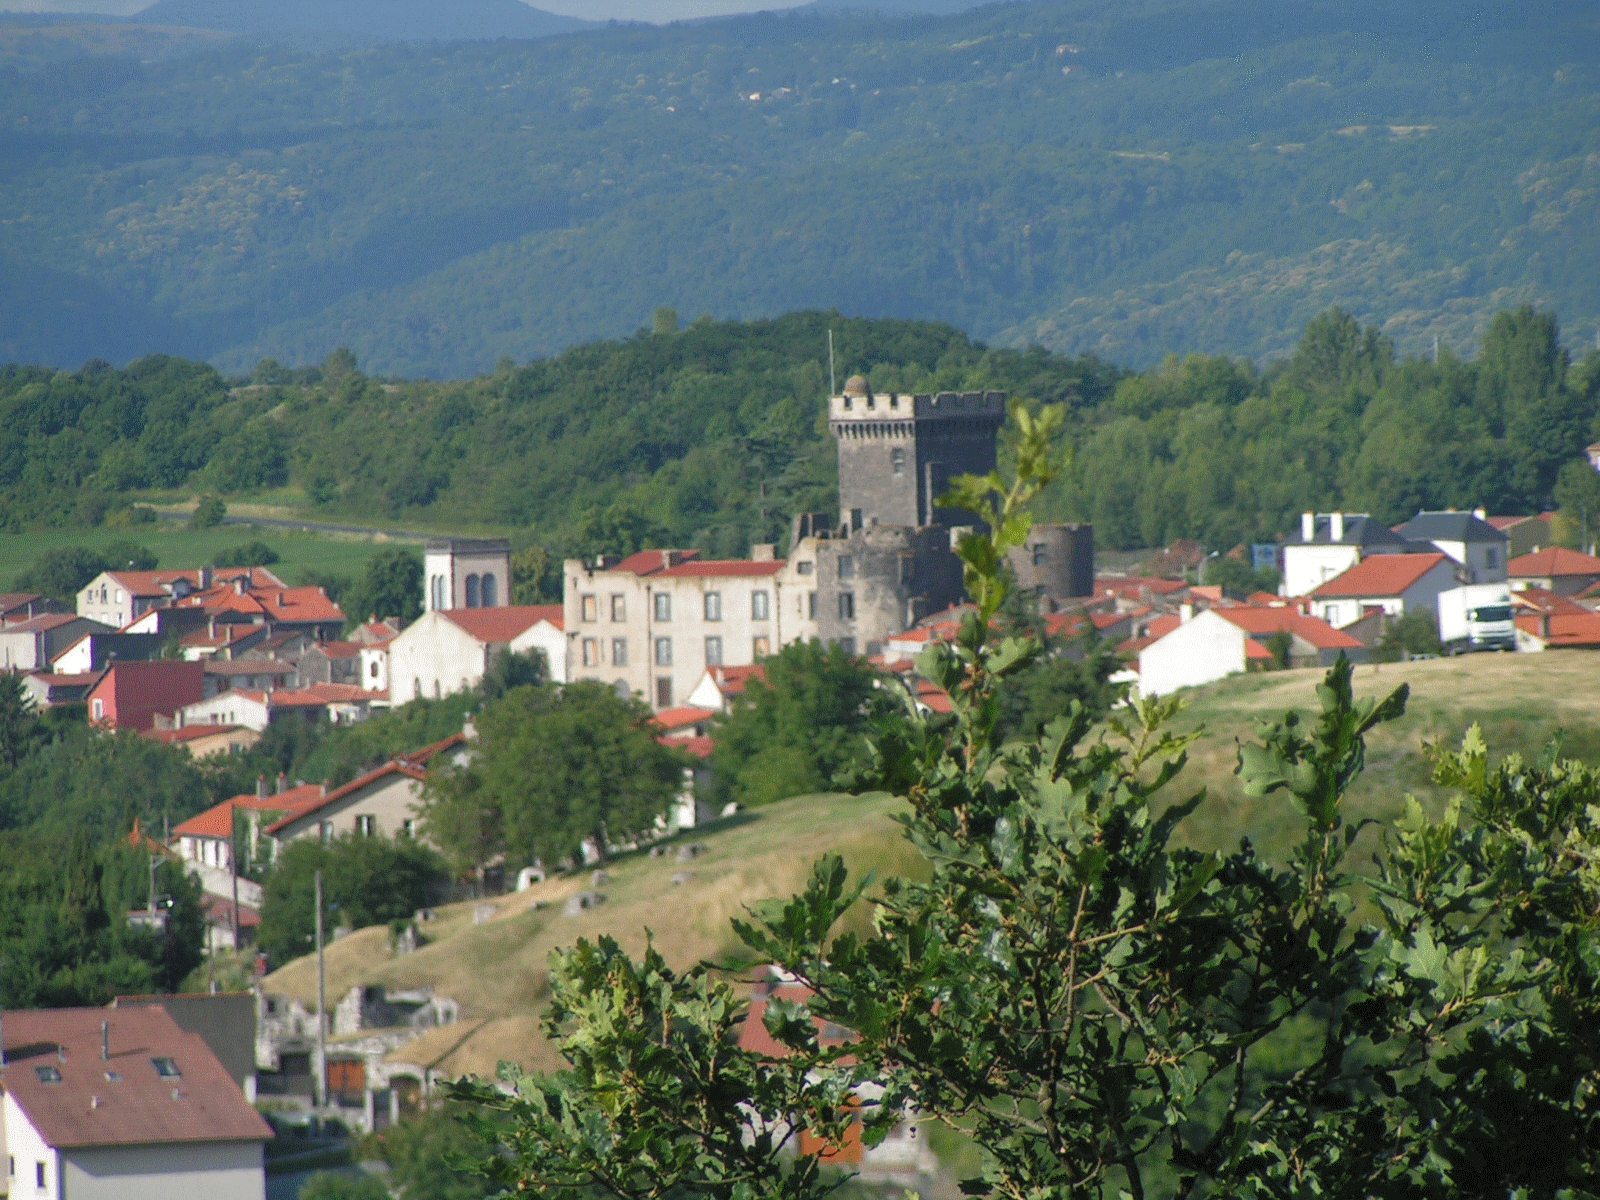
x=391 y=587
x=208 y=513
x=341 y=1185
x=61 y=573
x=553 y=768
x=1415 y=632
x=1239 y=578
x=422 y=1153
x=1577 y=495
x=512 y=670
x=1102 y=1011
x=800 y=729
x=365 y=881
x=247 y=554
x=1168 y=186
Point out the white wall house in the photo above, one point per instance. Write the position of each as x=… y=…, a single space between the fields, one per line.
x=1396 y=583
x=1200 y=650
x=449 y=650
x=122 y=1104
x=1329 y=544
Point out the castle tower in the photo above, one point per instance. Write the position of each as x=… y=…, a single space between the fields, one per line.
x=466 y=573
x=898 y=453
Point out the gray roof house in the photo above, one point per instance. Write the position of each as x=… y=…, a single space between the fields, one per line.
x=1328 y=544
x=1466 y=537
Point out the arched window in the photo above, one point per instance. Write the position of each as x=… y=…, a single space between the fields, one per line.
x=490 y=599
x=438 y=593
x=472 y=591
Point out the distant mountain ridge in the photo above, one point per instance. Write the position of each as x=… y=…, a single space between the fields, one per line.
x=366 y=20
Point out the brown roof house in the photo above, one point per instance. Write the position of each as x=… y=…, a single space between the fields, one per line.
x=123 y=1104
x=1556 y=569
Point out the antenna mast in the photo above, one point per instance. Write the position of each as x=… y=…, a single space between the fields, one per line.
x=833 y=391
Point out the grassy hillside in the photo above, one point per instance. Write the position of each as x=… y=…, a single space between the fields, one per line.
x=496 y=969
x=1132 y=179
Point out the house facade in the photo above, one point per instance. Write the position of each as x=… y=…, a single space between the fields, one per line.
x=117 y=598
x=35 y=644
x=123 y=1104
x=1394 y=583
x=1555 y=569
x=449 y=650
x=133 y=695
x=1468 y=538
x=1329 y=544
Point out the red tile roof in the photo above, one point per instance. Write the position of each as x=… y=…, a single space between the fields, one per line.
x=699 y=747
x=649 y=562
x=497 y=626
x=217 y=821
x=413 y=765
x=188 y=733
x=726 y=568
x=159 y=583
x=42 y=624
x=682 y=718
x=1380 y=575
x=1552 y=563
x=1258 y=622
x=1566 y=630
x=732 y=681
x=123 y=1100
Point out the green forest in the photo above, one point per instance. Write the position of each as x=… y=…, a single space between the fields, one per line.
x=714 y=435
x=1128 y=179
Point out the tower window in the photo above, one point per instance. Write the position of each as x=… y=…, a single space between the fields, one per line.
x=663 y=652
x=803 y=568
x=811 y=606
x=758 y=606
x=663 y=693
x=847 y=606
x=1038 y=554
x=472 y=592
x=847 y=566
x=663 y=606
x=619 y=607
x=713 y=651
x=897 y=460
x=713 y=606
x=855 y=519
x=490 y=594
x=591 y=652
x=590 y=609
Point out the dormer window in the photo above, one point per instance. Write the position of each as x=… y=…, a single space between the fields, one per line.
x=166 y=1068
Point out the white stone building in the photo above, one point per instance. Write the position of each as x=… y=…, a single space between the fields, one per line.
x=449 y=650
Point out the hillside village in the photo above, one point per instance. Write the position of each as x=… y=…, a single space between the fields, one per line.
x=207 y=659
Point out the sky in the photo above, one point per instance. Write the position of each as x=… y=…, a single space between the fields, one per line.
x=657 y=11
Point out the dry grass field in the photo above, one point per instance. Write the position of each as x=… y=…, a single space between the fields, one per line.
x=496 y=968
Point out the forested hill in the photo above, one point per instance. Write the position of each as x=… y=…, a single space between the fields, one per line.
x=715 y=434
x=1129 y=178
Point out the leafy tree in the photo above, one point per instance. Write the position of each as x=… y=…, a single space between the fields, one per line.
x=208 y=513
x=512 y=670
x=536 y=576
x=1069 y=671
x=248 y=554
x=1522 y=375
x=18 y=723
x=664 y=322
x=61 y=573
x=423 y=1155
x=798 y=729
x=1415 y=632
x=342 y=1185
x=129 y=556
x=1102 y=1012
x=365 y=881
x=1577 y=495
x=390 y=587
x=621 y=528
x=554 y=768
x=1239 y=578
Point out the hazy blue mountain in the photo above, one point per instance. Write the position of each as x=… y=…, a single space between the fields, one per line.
x=1132 y=177
x=378 y=20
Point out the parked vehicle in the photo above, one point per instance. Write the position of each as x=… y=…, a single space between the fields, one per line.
x=1476 y=617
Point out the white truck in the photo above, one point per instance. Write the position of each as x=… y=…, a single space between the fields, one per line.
x=1476 y=617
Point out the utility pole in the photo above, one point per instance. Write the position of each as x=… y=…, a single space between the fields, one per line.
x=322 y=1007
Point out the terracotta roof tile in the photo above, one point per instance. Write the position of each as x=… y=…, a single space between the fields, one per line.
x=498 y=625
x=217 y=821
x=1552 y=563
x=682 y=718
x=123 y=1100
x=1259 y=622
x=1380 y=575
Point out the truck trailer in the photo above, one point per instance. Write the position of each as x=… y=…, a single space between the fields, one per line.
x=1476 y=617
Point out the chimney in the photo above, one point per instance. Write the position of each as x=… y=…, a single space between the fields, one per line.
x=763 y=552
x=105 y=1041
x=1185 y=613
x=240 y=586
x=283 y=782
x=1481 y=513
x=1308 y=527
x=261 y=787
x=1336 y=527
